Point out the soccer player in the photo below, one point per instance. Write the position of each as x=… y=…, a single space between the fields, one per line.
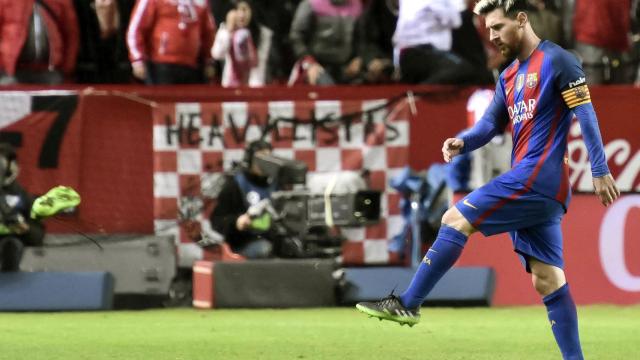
x=538 y=94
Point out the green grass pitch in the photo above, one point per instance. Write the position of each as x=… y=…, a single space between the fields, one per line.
x=607 y=332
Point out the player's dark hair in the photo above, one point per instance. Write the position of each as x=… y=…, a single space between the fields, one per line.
x=511 y=8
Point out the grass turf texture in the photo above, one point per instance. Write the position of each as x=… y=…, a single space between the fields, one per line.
x=337 y=333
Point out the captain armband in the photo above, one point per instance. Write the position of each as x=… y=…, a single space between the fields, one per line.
x=575 y=96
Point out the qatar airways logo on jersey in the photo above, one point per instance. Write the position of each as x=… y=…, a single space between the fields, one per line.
x=522 y=110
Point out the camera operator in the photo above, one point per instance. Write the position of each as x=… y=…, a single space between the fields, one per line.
x=17 y=227
x=243 y=188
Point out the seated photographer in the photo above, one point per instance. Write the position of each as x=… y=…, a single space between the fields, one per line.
x=243 y=188
x=21 y=214
x=17 y=227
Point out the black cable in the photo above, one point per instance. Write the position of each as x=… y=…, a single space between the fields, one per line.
x=74 y=229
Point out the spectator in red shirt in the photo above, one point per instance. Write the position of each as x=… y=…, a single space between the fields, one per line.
x=38 y=41
x=170 y=41
x=601 y=29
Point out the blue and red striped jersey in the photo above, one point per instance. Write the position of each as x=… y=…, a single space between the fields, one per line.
x=536 y=97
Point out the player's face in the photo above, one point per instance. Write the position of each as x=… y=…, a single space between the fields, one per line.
x=504 y=32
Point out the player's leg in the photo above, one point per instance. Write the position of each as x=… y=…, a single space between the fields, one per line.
x=489 y=209
x=541 y=247
x=546 y=278
x=437 y=261
x=550 y=282
x=444 y=252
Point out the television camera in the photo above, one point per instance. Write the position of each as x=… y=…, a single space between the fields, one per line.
x=307 y=214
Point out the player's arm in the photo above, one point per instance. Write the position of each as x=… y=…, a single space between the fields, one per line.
x=575 y=93
x=492 y=123
x=603 y=183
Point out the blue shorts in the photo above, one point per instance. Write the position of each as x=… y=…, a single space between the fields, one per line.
x=531 y=219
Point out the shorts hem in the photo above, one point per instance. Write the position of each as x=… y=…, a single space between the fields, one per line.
x=526 y=254
x=466 y=217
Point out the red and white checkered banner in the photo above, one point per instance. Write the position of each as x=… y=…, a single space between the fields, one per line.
x=194 y=143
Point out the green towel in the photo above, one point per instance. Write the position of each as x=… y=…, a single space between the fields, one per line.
x=57 y=199
x=261 y=223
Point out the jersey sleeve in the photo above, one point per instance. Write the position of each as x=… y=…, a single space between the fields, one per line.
x=497 y=110
x=493 y=122
x=570 y=79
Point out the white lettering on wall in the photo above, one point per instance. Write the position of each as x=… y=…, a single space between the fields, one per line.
x=612 y=244
x=618 y=152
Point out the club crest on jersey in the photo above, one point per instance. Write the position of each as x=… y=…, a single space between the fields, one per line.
x=580 y=92
x=519 y=82
x=532 y=80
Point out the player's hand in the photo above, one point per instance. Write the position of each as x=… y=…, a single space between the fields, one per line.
x=243 y=223
x=451 y=148
x=606 y=189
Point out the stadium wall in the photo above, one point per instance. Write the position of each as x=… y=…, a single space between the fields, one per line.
x=101 y=143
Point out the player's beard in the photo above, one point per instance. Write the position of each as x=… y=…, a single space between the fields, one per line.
x=509 y=52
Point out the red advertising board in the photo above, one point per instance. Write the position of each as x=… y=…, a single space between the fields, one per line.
x=601 y=254
x=104 y=147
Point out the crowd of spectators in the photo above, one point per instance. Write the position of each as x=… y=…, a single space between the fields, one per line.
x=318 y=42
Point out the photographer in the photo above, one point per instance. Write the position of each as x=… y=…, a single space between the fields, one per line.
x=245 y=187
x=17 y=227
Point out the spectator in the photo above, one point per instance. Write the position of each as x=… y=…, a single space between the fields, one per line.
x=374 y=41
x=103 y=54
x=38 y=41
x=546 y=21
x=170 y=41
x=277 y=16
x=495 y=157
x=467 y=43
x=423 y=41
x=601 y=29
x=245 y=47
x=242 y=189
x=17 y=227
x=322 y=36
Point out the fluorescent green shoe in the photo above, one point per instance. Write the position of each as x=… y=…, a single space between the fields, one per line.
x=390 y=308
x=55 y=200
